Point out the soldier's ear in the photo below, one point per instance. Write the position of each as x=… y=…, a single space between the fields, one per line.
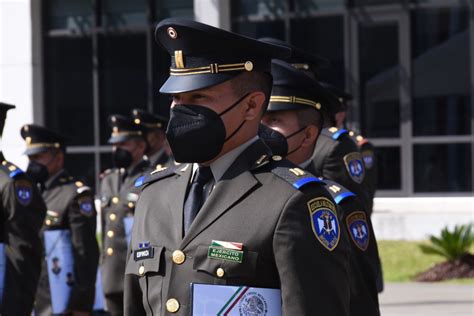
x=254 y=103
x=311 y=134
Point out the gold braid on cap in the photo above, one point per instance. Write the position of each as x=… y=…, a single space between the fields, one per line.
x=128 y=133
x=211 y=69
x=295 y=100
x=46 y=145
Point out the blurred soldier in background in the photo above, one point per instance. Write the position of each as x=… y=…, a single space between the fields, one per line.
x=22 y=212
x=70 y=207
x=118 y=198
x=158 y=151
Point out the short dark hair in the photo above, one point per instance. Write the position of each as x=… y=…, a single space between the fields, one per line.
x=309 y=116
x=253 y=81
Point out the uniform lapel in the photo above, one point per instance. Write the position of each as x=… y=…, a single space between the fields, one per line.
x=234 y=185
x=178 y=189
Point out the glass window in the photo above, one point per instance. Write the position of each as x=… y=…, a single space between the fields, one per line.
x=303 y=6
x=441 y=74
x=123 y=79
x=68 y=88
x=442 y=168
x=312 y=35
x=175 y=8
x=72 y=15
x=389 y=166
x=106 y=161
x=379 y=81
x=81 y=166
x=274 y=29
x=361 y=3
x=257 y=7
x=121 y=13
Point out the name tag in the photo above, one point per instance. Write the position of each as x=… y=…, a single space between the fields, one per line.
x=211 y=300
x=144 y=253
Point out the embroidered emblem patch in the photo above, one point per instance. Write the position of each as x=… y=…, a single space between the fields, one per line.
x=86 y=205
x=358 y=229
x=224 y=250
x=24 y=192
x=355 y=166
x=368 y=157
x=324 y=222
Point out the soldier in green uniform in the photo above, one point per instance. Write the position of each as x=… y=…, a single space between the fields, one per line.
x=118 y=196
x=293 y=121
x=335 y=156
x=231 y=214
x=158 y=151
x=366 y=148
x=22 y=213
x=70 y=206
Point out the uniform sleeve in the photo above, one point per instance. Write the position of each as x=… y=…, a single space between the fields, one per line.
x=82 y=222
x=24 y=215
x=314 y=280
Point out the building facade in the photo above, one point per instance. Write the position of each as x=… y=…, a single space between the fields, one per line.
x=68 y=64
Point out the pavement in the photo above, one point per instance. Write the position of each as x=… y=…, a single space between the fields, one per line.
x=417 y=299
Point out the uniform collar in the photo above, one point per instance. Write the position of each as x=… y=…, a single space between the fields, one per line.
x=220 y=166
x=50 y=182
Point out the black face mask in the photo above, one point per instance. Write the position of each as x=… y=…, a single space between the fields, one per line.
x=277 y=142
x=196 y=133
x=122 y=158
x=37 y=172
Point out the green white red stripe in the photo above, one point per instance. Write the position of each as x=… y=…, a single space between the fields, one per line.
x=227 y=244
x=230 y=304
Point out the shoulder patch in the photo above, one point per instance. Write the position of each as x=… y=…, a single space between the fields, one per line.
x=10 y=169
x=86 y=205
x=334 y=132
x=324 y=222
x=358 y=229
x=157 y=174
x=337 y=191
x=297 y=177
x=355 y=166
x=368 y=158
x=24 y=191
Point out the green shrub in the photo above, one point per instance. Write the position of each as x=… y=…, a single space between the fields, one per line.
x=451 y=245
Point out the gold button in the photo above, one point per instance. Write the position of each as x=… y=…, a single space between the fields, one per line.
x=248 y=66
x=131 y=205
x=110 y=233
x=277 y=158
x=172 y=305
x=178 y=257
x=110 y=251
x=115 y=200
x=48 y=222
x=220 y=272
x=141 y=270
x=112 y=216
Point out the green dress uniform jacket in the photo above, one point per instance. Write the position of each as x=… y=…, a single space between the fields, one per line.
x=334 y=156
x=22 y=212
x=118 y=198
x=258 y=202
x=71 y=206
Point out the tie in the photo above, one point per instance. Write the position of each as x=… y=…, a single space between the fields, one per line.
x=196 y=197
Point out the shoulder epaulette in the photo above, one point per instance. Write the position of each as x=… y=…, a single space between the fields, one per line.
x=81 y=187
x=158 y=174
x=292 y=174
x=337 y=191
x=334 y=132
x=10 y=169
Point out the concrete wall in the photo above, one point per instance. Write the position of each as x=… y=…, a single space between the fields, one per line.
x=417 y=218
x=16 y=86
